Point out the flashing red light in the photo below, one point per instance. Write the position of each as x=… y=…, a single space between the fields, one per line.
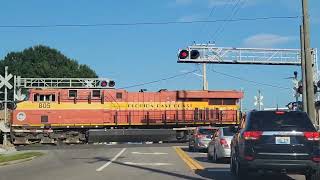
x=252 y=135
x=280 y=112
x=103 y=83
x=183 y=54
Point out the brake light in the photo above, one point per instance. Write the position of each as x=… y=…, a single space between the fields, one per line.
x=249 y=158
x=224 y=143
x=312 y=136
x=280 y=112
x=316 y=159
x=252 y=135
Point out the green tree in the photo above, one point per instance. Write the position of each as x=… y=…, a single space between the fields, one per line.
x=45 y=62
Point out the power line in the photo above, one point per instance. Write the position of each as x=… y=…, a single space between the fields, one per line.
x=159 y=80
x=251 y=81
x=148 y=23
x=212 y=12
x=235 y=10
x=223 y=8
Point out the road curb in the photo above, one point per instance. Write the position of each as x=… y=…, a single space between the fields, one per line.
x=17 y=161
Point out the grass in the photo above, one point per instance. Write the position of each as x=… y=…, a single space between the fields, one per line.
x=7 y=158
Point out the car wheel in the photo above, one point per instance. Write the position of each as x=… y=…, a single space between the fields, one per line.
x=313 y=176
x=240 y=171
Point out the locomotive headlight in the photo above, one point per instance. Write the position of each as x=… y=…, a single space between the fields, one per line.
x=21 y=116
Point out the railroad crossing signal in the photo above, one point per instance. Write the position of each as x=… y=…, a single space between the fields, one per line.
x=258 y=100
x=4 y=81
x=184 y=54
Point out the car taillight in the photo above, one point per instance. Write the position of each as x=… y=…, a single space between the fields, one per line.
x=224 y=143
x=249 y=158
x=312 y=136
x=199 y=136
x=252 y=135
x=316 y=159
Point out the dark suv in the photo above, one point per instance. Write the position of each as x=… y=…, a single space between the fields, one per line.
x=276 y=141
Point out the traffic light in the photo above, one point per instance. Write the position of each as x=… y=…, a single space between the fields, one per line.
x=300 y=89
x=103 y=83
x=112 y=83
x=318 y=84
x=295 y=73
x=194 y=54
x=184 y=54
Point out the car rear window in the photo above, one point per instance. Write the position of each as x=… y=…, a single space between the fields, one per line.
x=280 y=121
x=207 y=131
x=227 y=132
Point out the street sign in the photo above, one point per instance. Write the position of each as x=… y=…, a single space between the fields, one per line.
x=5 y=81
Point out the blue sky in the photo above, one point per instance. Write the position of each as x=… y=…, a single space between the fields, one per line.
x=135 y=54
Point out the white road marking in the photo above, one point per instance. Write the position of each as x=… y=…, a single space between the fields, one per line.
x=152 y=153
x=148 y=164
x=109 y=162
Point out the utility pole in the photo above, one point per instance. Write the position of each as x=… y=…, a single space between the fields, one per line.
x=5 y=138
x=204 y=77
x=241 y=105
x=303 y=72
x=308 y=63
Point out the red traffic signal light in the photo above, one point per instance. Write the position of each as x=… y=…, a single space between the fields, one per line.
x=103 y=83
x=184 y=54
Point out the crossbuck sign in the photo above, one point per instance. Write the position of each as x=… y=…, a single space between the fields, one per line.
x=4 y=81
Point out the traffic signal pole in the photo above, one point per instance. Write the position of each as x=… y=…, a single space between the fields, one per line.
x=204 y=76
x=308 y=63
x=303 y=72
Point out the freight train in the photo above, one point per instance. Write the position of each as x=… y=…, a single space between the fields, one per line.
x=90 y=115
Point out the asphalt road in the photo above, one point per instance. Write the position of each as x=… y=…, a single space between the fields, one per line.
x=100 y=162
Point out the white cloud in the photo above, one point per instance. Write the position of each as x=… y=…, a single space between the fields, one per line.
x=266 y=40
